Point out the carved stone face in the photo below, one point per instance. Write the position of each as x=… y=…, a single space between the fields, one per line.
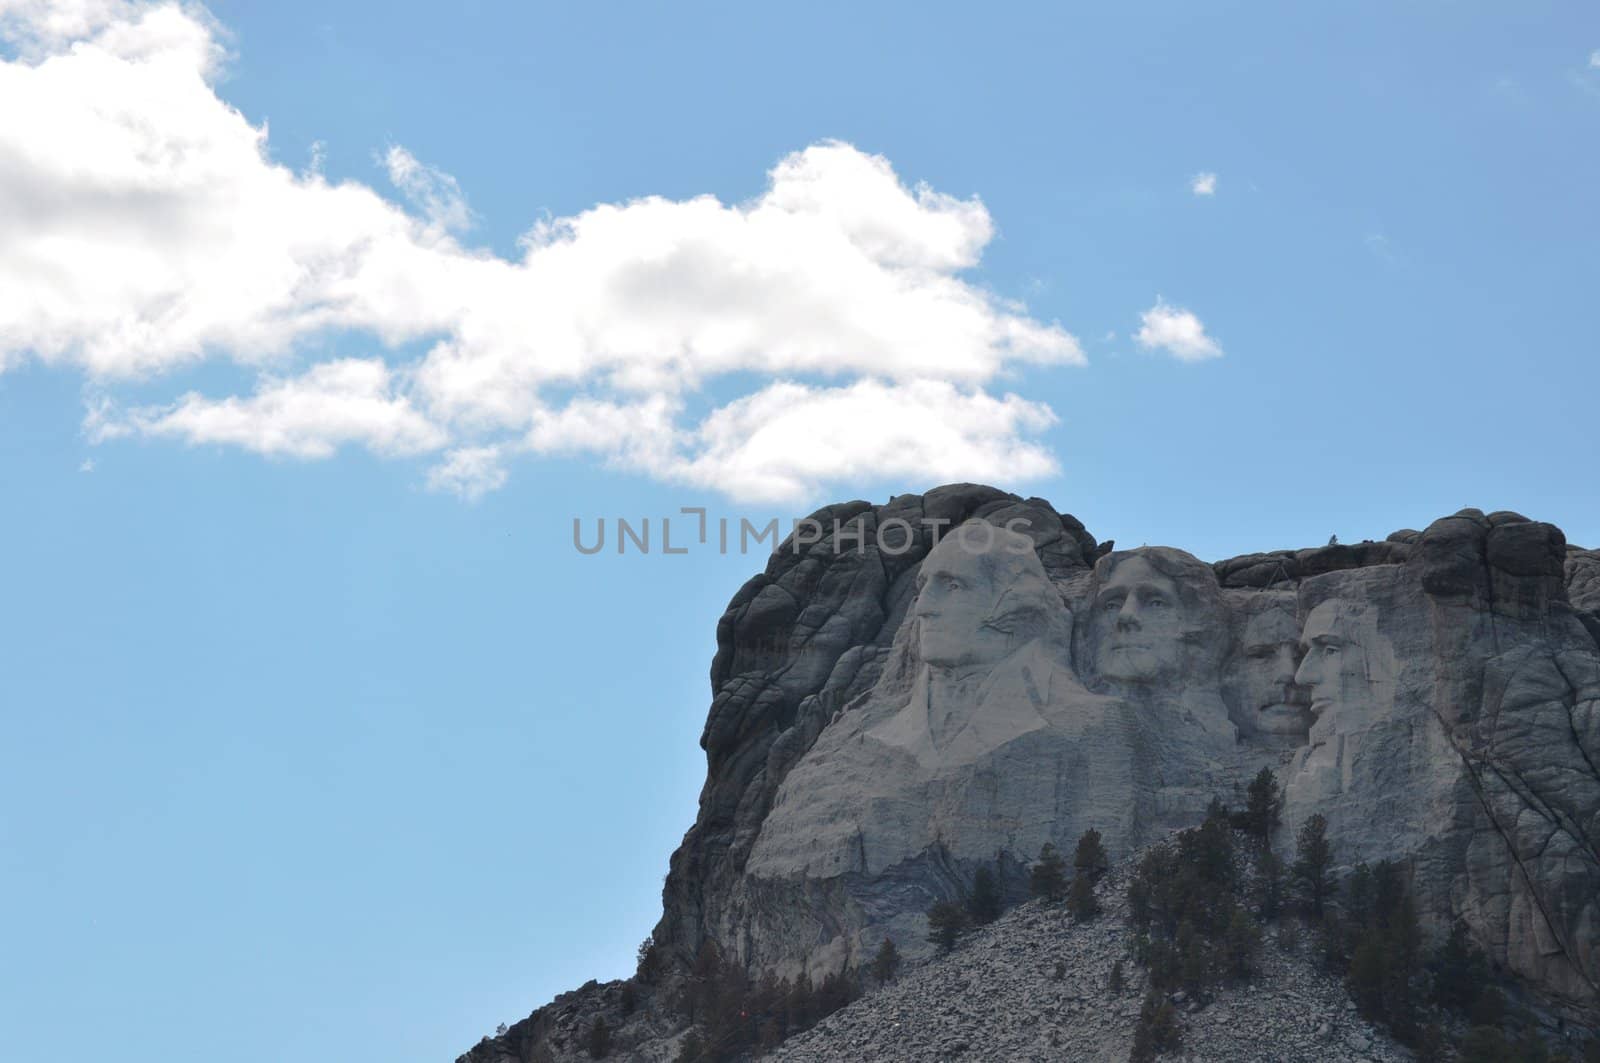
x=1271 y=653
x=1138 y=622
x=1336 y=671
x=974 y=598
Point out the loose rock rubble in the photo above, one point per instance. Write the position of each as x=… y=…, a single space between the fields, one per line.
x=996 y=997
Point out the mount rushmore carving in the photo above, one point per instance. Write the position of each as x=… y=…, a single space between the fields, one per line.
x=885 y=720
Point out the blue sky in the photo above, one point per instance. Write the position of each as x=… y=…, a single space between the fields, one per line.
x=314 y=751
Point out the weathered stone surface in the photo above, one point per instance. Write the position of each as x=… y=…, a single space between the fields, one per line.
x=890 y=710
x=1582 y=575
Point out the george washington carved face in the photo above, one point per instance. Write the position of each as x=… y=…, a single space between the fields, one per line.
x=981 y=595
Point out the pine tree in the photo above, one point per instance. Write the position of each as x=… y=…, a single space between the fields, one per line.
x=1048 y=880
x=1484 y=1044
x=1459 y=971
x=648 y=964
x=1365 y=978
x=692 y=1049
x=702 y=984
x=1081 y=901
x=886 y=962
x=1263 y=806
x=945 y=923
x=983 y=905
x=1313 y=863
x=1194 y=959
x=1157 y=1031
x=1271 y=869
x=800 y=1003
x=1090 y=857
x=1242 y=943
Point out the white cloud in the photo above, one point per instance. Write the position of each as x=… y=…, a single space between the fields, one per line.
x=87 y=465
x=310 y=416
x=787 y=439
x=470 y=472
x=1178 y=332
x=1594 y=59
x=144 y=227
x=432 y=191
x=1203 y=184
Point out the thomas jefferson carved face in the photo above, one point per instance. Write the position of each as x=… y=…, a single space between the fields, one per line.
x=1138 y=614
x=980 y=597
x=1341 y=671
x=1157 y=623
x=1271 y=652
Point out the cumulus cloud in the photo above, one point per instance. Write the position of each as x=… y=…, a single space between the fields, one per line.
x=788 y=439
x=144 y=227
x=1203 y=184
x=1594 y=59
x=310 y=416
x=1178 y=332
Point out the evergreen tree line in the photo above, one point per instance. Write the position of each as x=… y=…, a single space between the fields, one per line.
x=733 y=1014
x=1198 y=914
x=1190 y=928
x=1198 y=920
x=1047 y=880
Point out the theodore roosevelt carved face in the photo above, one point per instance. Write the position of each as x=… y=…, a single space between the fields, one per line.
x=1269 y=657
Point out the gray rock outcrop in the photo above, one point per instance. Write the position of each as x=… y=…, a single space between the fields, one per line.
x=950 y=680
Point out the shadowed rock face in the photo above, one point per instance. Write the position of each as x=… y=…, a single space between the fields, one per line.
x=890 y=709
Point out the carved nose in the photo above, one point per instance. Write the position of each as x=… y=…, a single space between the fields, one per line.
x=1303 y=675
x=1127 y=617
x=1285 y=671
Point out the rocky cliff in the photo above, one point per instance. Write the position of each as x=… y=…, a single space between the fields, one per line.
x=913 y=689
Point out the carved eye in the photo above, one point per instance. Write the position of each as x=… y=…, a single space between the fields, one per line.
x=1155 y=601
x=952 y=584
x=1110 y=605
x=1330 y=650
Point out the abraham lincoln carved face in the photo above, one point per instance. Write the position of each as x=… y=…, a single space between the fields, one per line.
x=1347 y=669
